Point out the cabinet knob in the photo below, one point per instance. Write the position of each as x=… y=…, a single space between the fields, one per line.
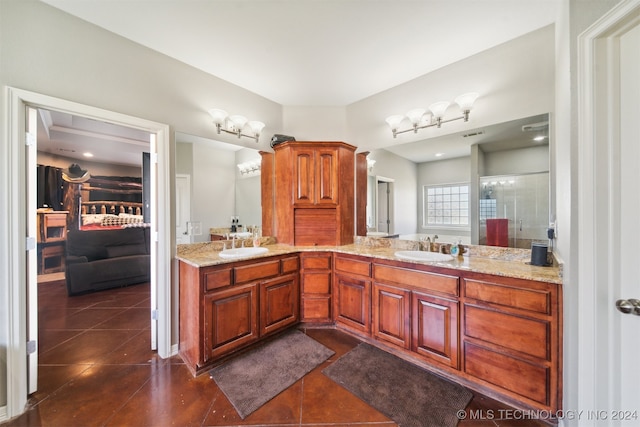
x=628 y=306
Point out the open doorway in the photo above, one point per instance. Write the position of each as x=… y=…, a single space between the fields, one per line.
x=21 y=186
x=385 y=205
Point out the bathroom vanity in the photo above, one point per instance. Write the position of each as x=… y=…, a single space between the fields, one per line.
x=493 y=325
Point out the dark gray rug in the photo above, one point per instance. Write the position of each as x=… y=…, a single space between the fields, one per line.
x=406 y=393
x=253 y=378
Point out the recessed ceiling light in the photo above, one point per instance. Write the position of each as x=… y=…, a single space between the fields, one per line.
x=439 y=154
x=87 y=154
x=539 y=138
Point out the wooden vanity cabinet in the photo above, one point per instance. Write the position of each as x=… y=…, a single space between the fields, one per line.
x=417 y=310
x=315 y=287
x=231 y=319
x=352 y=292
x=512 y=337
x=312 y=203
x=227 y=307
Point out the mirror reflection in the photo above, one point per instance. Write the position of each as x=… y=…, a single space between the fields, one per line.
x=513 y=209
x=448 y=186
x=217 y=187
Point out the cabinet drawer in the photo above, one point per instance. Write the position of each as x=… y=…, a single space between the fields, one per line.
x=353 y=266
x=528 y=336
x=316 y=262
x=257 y=271
x=526 y=299
x=316 y=309
x=55 y=220
x=316 y=283
x=427 y=281
x=289 y=265
x=214 y=279
x=515 y=375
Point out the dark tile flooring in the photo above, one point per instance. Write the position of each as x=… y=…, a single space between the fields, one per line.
x=96 y=369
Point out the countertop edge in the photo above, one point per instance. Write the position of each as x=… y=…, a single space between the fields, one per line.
x=475 y=264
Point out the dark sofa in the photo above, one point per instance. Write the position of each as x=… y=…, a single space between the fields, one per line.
x=104 y=259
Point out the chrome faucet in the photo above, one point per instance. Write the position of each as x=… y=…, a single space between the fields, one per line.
x=233 y=242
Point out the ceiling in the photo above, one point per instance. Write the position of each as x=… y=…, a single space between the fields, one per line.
x=300 y=53
x=62 y=134
x=316 y=52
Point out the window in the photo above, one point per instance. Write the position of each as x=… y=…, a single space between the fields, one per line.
x=446 y=205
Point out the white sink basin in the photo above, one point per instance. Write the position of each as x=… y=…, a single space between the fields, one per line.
x=423 y=256
x=243 y=252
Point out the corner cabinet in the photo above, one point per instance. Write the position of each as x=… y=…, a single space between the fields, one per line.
x=312 y=203
x=227 y=307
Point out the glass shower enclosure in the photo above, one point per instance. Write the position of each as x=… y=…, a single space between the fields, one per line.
x=514 y=209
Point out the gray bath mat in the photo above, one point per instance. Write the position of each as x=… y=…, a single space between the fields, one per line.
x=409 y=395
x=253 y=378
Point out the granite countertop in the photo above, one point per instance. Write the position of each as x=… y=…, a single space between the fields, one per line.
x=505 y=262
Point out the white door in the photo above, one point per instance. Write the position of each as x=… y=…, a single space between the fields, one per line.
x=609 y=229
x=183 y=208
x=32 y=256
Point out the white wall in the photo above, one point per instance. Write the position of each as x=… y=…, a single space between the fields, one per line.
x=525 y=160
x=514 y=80
x=213 y=198
x=315 y=123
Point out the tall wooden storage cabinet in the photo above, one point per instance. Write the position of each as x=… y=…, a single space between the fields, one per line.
x=313 y=191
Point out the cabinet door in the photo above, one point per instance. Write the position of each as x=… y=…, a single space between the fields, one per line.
x=303 y=176
x=353 y=302
x=315 y=172
x=327 y=176
x=391 y=320
x=231 y=319
x=279 y=303
x=435 y=328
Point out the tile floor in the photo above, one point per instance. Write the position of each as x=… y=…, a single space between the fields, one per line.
x=96 y=369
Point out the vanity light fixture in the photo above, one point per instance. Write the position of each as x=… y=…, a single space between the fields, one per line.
x=370 y=164
x=235 y=124
x=249 y=167
x=416 y=117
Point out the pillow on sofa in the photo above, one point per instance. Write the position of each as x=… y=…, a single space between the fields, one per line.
x=126 y=250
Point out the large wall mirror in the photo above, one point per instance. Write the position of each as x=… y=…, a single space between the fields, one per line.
x=215 y=181
x=487 y=186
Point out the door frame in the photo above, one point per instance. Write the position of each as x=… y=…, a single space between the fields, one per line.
x=16 y=101
x=597 y=386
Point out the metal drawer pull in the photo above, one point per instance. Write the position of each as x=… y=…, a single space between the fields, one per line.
x=631 y=306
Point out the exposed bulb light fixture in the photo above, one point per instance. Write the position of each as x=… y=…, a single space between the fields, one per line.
x=235 y=124
x=416 y=116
